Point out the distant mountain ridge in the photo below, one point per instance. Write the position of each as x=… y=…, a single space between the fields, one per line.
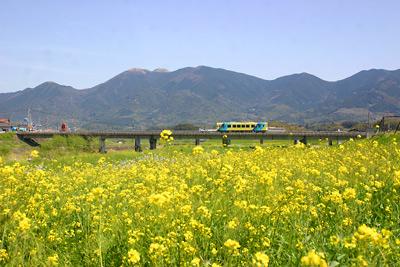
x=204 y=95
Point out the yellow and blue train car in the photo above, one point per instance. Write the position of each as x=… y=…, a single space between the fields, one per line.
x=240 y=126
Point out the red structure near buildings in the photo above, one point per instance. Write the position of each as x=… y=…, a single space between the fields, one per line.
x=64 y=127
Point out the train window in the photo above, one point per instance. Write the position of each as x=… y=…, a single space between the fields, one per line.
x=252 y=126
x=244 y=125
x=234 y=126
x=229 y=126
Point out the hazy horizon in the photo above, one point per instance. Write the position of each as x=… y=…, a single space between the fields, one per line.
x=82 y=44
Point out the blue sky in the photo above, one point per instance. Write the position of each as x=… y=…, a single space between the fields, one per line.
x=83 y=43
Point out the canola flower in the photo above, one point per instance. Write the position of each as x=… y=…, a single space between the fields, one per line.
x=34 y=154
x=197 y=150
x=52 y=260
x=225 y=140
x=232 y=246
x=24 y=223
x=3 y=255
x=314 y=259
x=166 y=135
x=261 y=259
x=311 y=206
x=133 y=256
x=195 y=262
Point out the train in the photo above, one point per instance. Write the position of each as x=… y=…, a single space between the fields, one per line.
x=242 y=126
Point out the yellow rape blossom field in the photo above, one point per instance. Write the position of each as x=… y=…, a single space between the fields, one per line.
x=310 y=206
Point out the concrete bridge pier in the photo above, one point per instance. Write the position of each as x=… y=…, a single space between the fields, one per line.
x=153 y=142
x=339 y=141
x=138 y=147
x=102 y=142
x=197 y=141
x=304 y=140
x=261 y=141
x=226 y=141
x=330 y=142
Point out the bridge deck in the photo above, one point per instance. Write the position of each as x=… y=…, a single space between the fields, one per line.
x=29 y=137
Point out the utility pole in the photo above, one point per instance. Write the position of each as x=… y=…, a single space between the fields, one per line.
x=30 y=127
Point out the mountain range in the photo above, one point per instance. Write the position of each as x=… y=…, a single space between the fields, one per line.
x=203 y=95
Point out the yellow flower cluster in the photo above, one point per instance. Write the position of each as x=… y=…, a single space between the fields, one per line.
x=3 y=255
x=371 y=235
x=233 y=246
x=166 y=135
x=314 y=259
x=261 y=260
x=52 y=260
x=197 y=150
x=133 y=256
x=24 y=223
x=34 y=153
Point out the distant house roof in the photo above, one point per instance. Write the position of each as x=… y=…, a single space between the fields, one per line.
x=5 y=121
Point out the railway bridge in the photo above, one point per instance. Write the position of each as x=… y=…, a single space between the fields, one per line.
x=32 y=138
